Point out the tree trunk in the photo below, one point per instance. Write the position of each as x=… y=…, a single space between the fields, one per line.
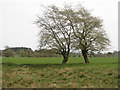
x=65 y=59
x=84 y=53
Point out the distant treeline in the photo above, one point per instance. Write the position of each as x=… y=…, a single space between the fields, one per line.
x=28 y=52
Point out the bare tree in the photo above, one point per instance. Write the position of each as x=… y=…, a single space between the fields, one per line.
x=88 y=31
x=55 y=31
x=66 y=28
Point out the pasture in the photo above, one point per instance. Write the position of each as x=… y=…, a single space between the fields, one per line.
x=47 y=72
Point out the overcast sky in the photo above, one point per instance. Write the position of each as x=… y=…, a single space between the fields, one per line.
x=17 y=18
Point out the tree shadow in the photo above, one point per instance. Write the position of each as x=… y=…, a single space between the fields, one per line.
x=43 y=65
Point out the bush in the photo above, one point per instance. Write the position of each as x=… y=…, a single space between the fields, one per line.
x=8 y=53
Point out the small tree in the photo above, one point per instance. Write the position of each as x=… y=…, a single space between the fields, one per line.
x=6 y=47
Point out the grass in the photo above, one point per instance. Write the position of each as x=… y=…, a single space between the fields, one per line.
x=24 y=72
x=55 y=60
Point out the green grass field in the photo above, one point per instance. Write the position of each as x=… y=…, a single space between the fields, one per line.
x=47 y=72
